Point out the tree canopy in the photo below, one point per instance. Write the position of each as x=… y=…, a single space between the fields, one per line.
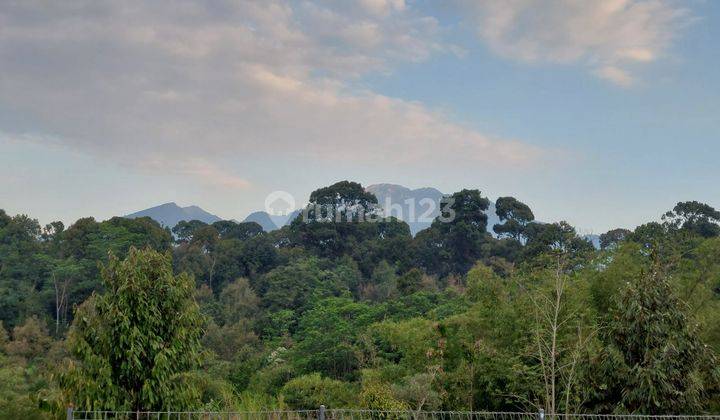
x=131 y=345
x=353 y=311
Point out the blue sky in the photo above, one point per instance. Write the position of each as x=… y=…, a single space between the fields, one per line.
x=600 y=113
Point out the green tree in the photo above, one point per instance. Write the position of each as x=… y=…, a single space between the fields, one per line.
x=551 y=238
x=86 y=243
x=418 y=392
x=133 y=345
x=238 y=301
x=693 y=216
x=15 y=401
x=327 y=334
x=233 y=230
x=301 y=283
x=382 y=284
x=376 y=395
x=24 y=269
x=184 y=230
x=516 y=216
x=655 y=362
x=29 y=340
x=454 y=241
x=410 y=282
x=613 y=237
x=233 y=258
x=343 y=201
x=310 y=391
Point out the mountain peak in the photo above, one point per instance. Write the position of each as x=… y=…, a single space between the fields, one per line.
x=169 y=214
x=171 y=204
x=263 y=219
x=394 y=189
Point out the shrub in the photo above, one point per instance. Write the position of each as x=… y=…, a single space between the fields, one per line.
x=311 y=391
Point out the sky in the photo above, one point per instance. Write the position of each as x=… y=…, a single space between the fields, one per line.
x=601 y=113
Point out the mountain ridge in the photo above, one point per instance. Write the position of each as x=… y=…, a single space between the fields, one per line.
x=169 y=214
x=416 y=210
x=416 y=207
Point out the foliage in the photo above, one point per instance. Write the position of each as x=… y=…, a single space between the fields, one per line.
x=417 y=392
x=350 y=312
x=310 y=391
x=132 y=345
x=613 y=237
x=457 y=236
x=325 y=337
x=695 y=217
x=654 y=358
x=379 y=396
x=516 y=216
x=14 y=389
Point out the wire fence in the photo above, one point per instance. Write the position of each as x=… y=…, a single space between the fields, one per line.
x=346 y=414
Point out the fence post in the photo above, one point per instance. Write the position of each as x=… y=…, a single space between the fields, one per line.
x=541 y=414
x=321 y=414
x=69 y=413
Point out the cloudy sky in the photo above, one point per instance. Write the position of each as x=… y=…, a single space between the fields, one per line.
x=603 y=113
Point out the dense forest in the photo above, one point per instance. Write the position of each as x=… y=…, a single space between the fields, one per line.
x=350 y=311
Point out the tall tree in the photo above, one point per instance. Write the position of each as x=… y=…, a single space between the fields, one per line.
x=344 y=219
x=233 y=230
x=342 y=201
x=331 y=224
x=695 y=217
x=516 y=216
x=655 y=362
x=454 y=241
x=613 y=237
x=555 y=238
x=184 y=229
x=133 y=344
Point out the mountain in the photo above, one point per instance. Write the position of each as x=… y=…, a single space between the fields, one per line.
x=270 y=222
x=169 y=214
x=416 y=207
x=283 y=220
x=594 y=239
x=263 y=219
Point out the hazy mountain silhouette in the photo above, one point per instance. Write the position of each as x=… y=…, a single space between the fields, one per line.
x=416 y=207
x=263 y=219
x=270 y=222
x=169 y=214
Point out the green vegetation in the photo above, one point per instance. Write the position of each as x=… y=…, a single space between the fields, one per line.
x=350 y=312
x=132 y=344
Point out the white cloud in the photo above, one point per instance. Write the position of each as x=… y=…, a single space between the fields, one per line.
x=615 y=75
x=198 y=88
x=608 y=36
x=382 y=7
x=368 y=127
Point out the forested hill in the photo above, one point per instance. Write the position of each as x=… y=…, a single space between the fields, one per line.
x=350 y=312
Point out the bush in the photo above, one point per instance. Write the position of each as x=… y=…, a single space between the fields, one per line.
x=379 y=396
x=311 y=391
x=270 y=379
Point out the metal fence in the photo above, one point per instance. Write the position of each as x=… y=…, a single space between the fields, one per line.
x=345 y=414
